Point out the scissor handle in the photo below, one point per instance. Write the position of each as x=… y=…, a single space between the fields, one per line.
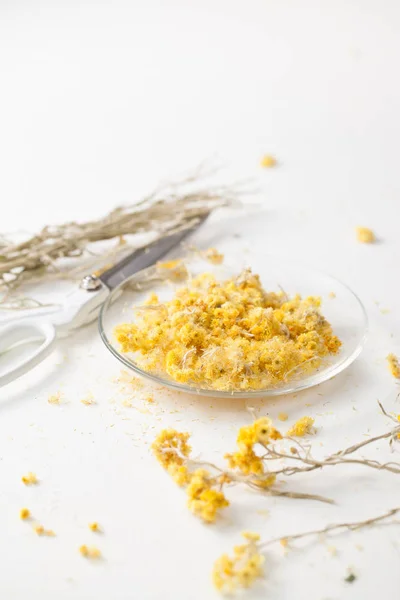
x=19 y=333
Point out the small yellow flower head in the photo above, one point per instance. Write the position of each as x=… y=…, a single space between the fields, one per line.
x=302 y=427
x=203 y=500
x=171 y=448
x=29 y=479
x=90 y=551
x=394 y=366
x=24 y=514
x=40 y=530
x=94 y=526
x=245 y=459
x=242 y=569
x=268 y=161
x=365 y=235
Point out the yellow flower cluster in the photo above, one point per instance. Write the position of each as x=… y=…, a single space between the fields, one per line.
x=230 y=335
x=246 y=459
x=204 y=500
x=302 y=427
x=240 y=570
x=171 y=449
x=394 y=366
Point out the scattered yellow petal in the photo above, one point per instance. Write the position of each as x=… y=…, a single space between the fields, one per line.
x=283 y=416
x=150 y=399
x=94 y=526
x=88 y=400
x=89 y=551
x=302 y=427
x=268 y=161
x=102 y=270
x=24 y=513
x=55 y=398
x=394 y=366
x=284 y=542
x=332 y=295
x=29 y=479
x=365 y=235
x=251 y=536
x=213 y=256
x=40 y=530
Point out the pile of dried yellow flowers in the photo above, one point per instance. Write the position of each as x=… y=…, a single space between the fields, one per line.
x=229 y=335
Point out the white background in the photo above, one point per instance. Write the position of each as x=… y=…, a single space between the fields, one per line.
x=98 y=102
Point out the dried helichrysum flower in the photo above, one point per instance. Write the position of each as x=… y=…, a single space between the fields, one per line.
x=230 y=573
x=229 y=335
x=394 y=366
x=203 y=499
x=302 y=427
x=245 y=458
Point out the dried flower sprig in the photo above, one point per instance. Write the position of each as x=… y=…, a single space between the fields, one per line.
x=205 y=481
x=244 y=568
x=169 y=208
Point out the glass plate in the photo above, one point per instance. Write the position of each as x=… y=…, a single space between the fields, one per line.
x=340 y=306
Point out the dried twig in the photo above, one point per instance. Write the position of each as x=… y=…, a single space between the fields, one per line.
x=352 y=526
x=168 y=209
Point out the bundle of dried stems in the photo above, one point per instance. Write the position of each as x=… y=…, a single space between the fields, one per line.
x=169 y=208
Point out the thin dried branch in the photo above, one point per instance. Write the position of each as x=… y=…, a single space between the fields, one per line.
x=336 y=527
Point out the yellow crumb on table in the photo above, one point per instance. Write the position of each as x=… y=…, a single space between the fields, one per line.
x=29 y=479
x=55 y=398
x=149 y=399
x=302 y=427
x=230 y=335
x=365 y=235
x=88 y=400
x=283 y=416
x=24 y=514
x=89 y=551
x=94 y=526
x=40 y=530
x=394 y=366
x=268 y=161
x=213 y=256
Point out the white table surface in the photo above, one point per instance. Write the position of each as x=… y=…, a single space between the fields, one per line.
x=100 y=100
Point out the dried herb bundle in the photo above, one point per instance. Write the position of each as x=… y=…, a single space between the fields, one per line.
x=68 y=250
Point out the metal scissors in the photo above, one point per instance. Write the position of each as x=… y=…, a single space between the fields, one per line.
x=81 y=307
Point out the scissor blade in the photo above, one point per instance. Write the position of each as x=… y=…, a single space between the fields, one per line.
x=145 y=257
